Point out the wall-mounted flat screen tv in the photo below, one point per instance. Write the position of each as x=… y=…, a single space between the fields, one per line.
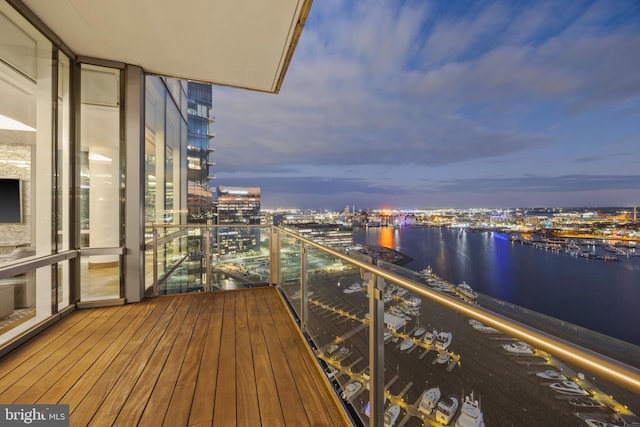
x=10 y=201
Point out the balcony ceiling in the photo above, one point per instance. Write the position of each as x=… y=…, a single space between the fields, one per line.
x=240 y=43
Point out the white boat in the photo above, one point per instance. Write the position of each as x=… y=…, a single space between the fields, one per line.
x=569 y=387
x=478 y=326
x=351 y=389
x=467 y=291
x=443 y=357
x=446 y=409
x=551 y=375
x=440 y=286
x=419 y=332
x=332 y=348
x=427 y=271
x=585 y=402
x=391 y=415
x=430 y=336
x=414 y=301
x=429 y=400
x=353 y=289
x=402 y=292
x=518 y=347
x=341 y=354
x=407 y=344
x=470 y=413
x=331 y=371
x=591 y=422
x=443 y=340
x=387 y=335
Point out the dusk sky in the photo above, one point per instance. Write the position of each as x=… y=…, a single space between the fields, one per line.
x=430 y=104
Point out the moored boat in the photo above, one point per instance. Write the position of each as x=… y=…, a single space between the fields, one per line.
x=443 y=340
x=478 y=326
x=585 y=402
x=467 y=291
x=407 y=344
x=446 y=409
x=569 y=387
x=550 y=374
x=419 y=332
x=430 y=336
x=518 y=347
x=391 y=415
x=429 y=400
x=351 y=389
x=470 y=413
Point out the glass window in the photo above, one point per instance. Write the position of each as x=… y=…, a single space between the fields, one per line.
x=25 y=140
x=100 y=179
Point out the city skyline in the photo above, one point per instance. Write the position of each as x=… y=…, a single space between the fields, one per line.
x=427 y=105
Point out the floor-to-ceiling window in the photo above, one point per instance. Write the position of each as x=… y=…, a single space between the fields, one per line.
x=165 y=163
x=101 y=177
x=27 y=208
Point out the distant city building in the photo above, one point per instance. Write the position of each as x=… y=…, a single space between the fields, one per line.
x=238 y=206
x=331 y=235
x=199 y=136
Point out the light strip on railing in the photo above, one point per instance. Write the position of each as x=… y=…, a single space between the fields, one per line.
x=610 y=369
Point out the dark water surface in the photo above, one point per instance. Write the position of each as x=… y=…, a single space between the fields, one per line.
x=598 y=295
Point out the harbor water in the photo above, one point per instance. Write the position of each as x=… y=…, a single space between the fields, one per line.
x=595 y=294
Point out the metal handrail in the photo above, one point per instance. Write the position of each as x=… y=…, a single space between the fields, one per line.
x=615 y=371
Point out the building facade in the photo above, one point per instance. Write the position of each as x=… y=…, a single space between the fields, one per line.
x=237 y=206
x=199 y=151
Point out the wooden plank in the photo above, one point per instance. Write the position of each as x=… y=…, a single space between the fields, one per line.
x=324 y=394
x=313 y=404
x=28 y=374
x=227 y=358
x=177 y=414
x=144 y=366
x=248 y=412
x=161 y=373
x=49 y=373
x=202 y=406
x=24 y=358
x=96 y=360
x=290 y=401
x=91 y=399
x=224 y=409
x=270 y=411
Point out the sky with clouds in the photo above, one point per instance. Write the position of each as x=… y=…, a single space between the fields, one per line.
x=430 y=104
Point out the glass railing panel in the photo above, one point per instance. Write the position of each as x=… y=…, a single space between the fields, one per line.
x=100 y=280
x=239 y=257
x=513 y=382
x=25 y=300
x=442 y=366
x=337 y=324
x=290 y=250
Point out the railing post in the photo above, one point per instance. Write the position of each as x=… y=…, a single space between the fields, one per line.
x=155 y=260
x=275 y=273
x=376 y=351
x=207 y=240
x=303 y=286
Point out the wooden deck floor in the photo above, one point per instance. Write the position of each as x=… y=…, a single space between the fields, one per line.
x=222 y=359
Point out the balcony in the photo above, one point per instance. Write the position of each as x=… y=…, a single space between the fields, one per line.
x=368 y=324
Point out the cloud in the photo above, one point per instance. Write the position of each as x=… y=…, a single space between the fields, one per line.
x=432 y=84
x=547 y=184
